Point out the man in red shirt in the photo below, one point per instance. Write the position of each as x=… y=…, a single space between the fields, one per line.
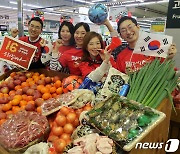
x=35 y=27
x=126 y=59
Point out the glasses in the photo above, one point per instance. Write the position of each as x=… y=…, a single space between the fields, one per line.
x=124 y=30
x=35 y=27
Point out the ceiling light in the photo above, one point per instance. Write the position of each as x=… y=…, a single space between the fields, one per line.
x=25 y=4
x=83 y=1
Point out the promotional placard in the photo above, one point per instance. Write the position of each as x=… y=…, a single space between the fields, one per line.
x=153 y=44
x=17 y=52
x=173 y=16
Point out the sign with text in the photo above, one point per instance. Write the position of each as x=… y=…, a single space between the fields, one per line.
x=17 y=52
x=156 y=45
x=173 y=16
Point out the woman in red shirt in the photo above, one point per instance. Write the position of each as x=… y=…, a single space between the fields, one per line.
x=95 y=61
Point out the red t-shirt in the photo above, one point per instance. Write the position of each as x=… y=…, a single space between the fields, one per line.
x=137 y=60
x=36 y=62
x=71 y=59
x=87 y=67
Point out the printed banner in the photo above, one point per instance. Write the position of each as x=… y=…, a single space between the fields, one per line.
x=17 y=52
x=156 y=45
x=173 y=15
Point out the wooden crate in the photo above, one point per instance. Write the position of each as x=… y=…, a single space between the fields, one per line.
x=159 y=133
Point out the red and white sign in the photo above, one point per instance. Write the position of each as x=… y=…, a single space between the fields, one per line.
x=17 y=52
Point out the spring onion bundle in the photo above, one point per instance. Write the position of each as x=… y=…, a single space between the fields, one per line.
x=153 y=83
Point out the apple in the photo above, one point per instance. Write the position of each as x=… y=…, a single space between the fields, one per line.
x=36 y=95
x=56 y=78
x=5 y=90
x=48 y=80
x=16 y=77
x=30 y=107
x=17 y=82
x=11 y=85
x=30 y=92
x=4 y=100
x=19 y=92
x=22 y=78
x=2 y=115
x=29 y=74
x=34 y=87
x=39 y=101
x=24 y=89
x=41 y=82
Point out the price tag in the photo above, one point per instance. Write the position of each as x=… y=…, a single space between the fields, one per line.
x=17 y=52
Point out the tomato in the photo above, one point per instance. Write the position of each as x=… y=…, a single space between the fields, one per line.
x=65 y=137
x=68 y=128
x=76 y=122
x=60 y=120
x=71 y=117
x=59 y=145
x=78 y=112
x=64 y=110
x=52 y=138
x=57 y=130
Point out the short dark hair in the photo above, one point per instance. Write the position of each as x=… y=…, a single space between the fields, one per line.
x=36 y=19
x=71 y=30
x=124 y=19
x=85 y=25
x=86 y=40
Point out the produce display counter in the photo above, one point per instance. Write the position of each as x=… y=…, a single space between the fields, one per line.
x=159 y=133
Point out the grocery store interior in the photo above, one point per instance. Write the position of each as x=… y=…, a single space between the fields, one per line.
x=151 y=15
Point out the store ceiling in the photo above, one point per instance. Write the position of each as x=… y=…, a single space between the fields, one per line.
x=139 y=8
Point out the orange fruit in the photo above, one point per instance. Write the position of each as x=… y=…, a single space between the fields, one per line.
x=15 y=102
x=9 y=112
x=44 y=90
x=29 y=79
x=12 y=92
x=24 y=84
x=6 y=107
x=19 y=97
x=23 y=103
x=59 y=90
x=36 y=74
x=54 y=95
x=48 y=86
x=42 y=76
x=16 y=109
x=2 y=121
x=46 y=96
x=31 y=83
x=39 y=87
x=17 y=87
x=52 y=90
x=57 y=84
x=39 y=109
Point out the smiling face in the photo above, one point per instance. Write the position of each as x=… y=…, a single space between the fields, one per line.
x=34 y=29
x=79 y=36
x=129 y=32
x=92 y=47
x=65 y=34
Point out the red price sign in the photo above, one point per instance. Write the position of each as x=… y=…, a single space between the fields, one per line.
x=17 y=52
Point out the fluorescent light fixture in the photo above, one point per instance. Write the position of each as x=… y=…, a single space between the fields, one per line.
x=83 y=1
x=95 y=1
x=7 y=7
x=25 y=4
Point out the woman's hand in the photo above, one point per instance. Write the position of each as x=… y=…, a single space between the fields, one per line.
x=105 y=54
x=58 y=43
x=172 y=51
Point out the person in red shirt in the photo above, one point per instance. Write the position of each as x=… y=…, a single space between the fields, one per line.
x=71 y=58
x=126 y=59
x=35 y=27
x=95 y=61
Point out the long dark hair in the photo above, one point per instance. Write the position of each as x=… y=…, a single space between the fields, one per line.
x=85 y=25
x=71 y=30
x=87 y=38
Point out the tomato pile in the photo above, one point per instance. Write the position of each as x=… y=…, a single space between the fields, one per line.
x=66 y=120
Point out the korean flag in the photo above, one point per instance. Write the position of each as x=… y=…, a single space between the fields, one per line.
x=156 y=45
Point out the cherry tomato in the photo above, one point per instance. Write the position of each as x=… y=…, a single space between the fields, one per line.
x=57 y=130
x=59 y=145
x=71 y=117
x=65 y=137
x=60 y=120
x=52 y=138
x=64 y=110
x=76 y=122
x=68 y=128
